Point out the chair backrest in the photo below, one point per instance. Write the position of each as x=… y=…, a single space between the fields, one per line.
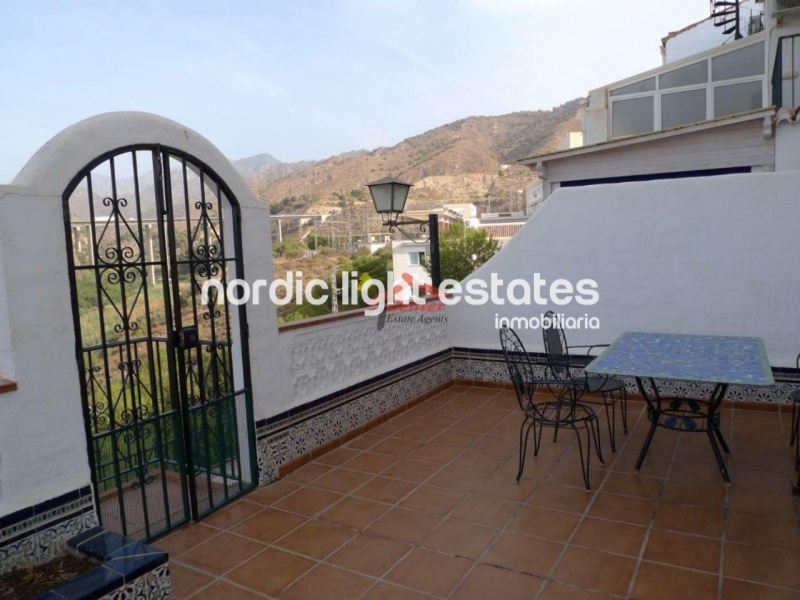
x=555 y=347
x=519 y=367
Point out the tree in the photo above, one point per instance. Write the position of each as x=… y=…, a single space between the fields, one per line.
x=463 y=249
x=367 y=266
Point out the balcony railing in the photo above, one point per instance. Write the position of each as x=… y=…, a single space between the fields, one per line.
x=785 y=79
x=727 y=81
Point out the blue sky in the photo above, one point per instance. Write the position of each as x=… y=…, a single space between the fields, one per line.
x=309 y=79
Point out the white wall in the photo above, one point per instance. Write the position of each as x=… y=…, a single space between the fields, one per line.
x=400 y=260
x=329 y=357
x=716 y=146
x=787 y=147
x=705 y=36
x=713 y=255
x=42 y=437
x=6 y=359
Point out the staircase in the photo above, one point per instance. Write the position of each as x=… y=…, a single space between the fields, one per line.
x=726 y=14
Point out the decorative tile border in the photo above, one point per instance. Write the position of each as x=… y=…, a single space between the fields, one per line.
x=488 y=365
x=129 y=570
x=294 y=434
x=39 y=533
x=285 y=438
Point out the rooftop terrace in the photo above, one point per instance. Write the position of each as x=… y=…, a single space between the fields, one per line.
x=425 y=506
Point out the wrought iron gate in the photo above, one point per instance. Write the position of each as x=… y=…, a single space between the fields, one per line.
x=164 y=377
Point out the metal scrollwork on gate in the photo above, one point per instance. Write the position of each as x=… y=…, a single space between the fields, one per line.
x=146 y=228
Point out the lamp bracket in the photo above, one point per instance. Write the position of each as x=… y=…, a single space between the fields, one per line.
x=398 y=225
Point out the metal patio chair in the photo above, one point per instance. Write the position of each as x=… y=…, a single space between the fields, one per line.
x=795 y=397
x=564 y=411
x=567 y=368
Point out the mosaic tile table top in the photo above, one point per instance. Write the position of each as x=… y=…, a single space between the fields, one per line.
x=709 y=358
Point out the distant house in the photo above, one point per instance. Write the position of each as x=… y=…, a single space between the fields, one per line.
x=502 y=226
x=409 y=249
x=409 y=252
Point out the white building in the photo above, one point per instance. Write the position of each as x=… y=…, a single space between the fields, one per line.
x=503 y=226
x=410 y=248
x=534 y=194
x=709 y=113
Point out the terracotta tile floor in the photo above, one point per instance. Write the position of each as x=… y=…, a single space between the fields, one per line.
x=425 y=506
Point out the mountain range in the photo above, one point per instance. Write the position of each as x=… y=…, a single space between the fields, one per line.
x=472 y=158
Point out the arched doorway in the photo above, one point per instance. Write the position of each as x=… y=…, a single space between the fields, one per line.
x=164 y=376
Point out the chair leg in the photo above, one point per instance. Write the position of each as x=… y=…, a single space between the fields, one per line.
x=558 y=417
x=623 y=395
x=797 y=457
x=584 y=463
x=595 y=434
x=795 y=431
x=523 y=442
x=537 y=438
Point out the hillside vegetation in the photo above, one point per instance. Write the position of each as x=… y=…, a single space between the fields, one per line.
x=472 y=158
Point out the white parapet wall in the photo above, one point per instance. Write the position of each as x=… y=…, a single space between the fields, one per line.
x=329 y=357
x=715 y=255
x=42 y=435
x=43 y=444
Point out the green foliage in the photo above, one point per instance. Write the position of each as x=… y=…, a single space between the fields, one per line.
x=288 y=249
x=463 y=249
x=306 y=311
x=358 y=194
x=367 y=266
x=315 y=242
x=293 y=204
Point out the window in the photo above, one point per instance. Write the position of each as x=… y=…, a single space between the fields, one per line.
x=633 y=116
x=736 y=98
x=690 y=75
x=744 y=62
x=725 y=83
x=415 y=257
x=681 y=108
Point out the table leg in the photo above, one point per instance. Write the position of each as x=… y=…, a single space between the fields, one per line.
x=718 y=455
x=653 y=412
x=715 y=436
x=722 y=443
x=713 y=411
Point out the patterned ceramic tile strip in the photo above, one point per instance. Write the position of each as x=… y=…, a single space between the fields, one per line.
x=155 y=585
x=487 y=365
x=345 y=415
x=38 y=534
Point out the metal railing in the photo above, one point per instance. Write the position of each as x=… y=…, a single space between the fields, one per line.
x=785 y=86
x=755 y=24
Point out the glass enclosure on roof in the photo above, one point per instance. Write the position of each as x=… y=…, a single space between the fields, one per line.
x=727 y=83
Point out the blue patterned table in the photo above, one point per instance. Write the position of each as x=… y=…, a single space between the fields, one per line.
x=721 y=360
